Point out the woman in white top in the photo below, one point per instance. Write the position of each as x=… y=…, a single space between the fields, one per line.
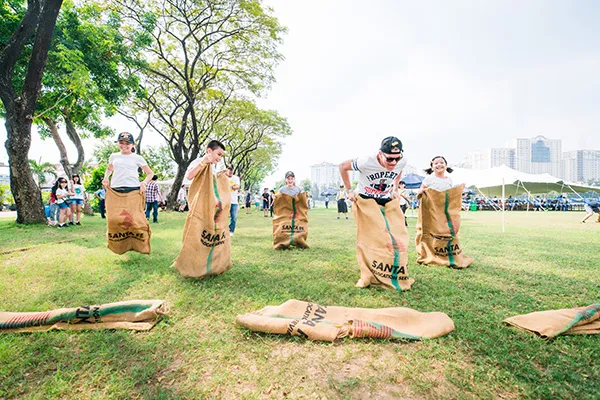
x=61 y=191
x=77 y=198
x=437 y=178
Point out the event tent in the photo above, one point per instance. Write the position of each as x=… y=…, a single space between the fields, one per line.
x=490 y=182
x=413 y=181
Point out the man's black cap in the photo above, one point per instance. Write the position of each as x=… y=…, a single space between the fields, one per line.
x=125 y=137
x=391 y=145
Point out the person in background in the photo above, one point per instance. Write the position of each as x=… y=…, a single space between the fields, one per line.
x=153 y=197
x=234 y=187
x=101 y=196
x=77 y=199
x=271 y=201
x=327 y=202
x=266 y=204
x=62 y=192
x=248 y=201
x=256 y=202
x=404 y=201
x=181 y=199
x=591 y=207
x=341 y=202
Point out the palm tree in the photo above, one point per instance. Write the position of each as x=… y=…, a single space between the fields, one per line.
x=40 y=170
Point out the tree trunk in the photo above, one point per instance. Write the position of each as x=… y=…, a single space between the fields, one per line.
x=64 y=160
x=27 y=195
x=172 y=196
x=74 y=136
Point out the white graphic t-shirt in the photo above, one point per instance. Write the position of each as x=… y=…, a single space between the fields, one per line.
x=374 y=180
x=126 y=169
x=438 y=184
x=234 y=181
x=79 y=190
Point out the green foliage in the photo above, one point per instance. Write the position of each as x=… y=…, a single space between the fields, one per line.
x=159 y=159
x=95 y=181
x=306 y=185
x=5 y=195
x=45 y=197
x=41 y=170
x=594 y=182
x=103 y=151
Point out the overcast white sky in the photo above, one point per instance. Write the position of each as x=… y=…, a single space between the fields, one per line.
x=446 y=77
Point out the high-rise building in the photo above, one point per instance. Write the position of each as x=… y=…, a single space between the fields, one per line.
x=503 y=156
x=327 y=175
x=476 y=160
x=581 y=165
x=539 y=155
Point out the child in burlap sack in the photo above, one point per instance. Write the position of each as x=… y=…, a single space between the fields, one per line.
x=381 y=235
x=128 y=228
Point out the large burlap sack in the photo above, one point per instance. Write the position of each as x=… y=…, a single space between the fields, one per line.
x=127 y=226
x=381 y=244
x=290 y=221
x=316 y=322
x=206 y=241
x=570 y=321
x=138 y=315
x=437 y=228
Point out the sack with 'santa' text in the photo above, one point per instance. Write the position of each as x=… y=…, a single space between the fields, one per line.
x=437 y=228
x=290 y=221
x=328 y=323
x=381 y=244
x=206 y=246
x=127 y=226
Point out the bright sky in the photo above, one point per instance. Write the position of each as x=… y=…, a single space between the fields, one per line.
x=445 y=77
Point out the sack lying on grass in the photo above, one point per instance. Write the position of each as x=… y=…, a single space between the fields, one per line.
x=381 y=244
x=570 y=321
x=137 y=315
x=437 y=228
x=290 y=221
x=206 y=243
x=127 y=227
x=316 y=322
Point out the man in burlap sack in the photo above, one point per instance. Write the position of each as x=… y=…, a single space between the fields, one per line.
x=127 y=227
x=206 y=246
x=290 y=220
x=381 y=236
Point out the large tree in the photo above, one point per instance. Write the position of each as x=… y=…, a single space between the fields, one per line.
x=202 y=51
x=85 y=79
x=19 y=98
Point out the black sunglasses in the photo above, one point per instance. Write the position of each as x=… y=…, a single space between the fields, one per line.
x=392 y=159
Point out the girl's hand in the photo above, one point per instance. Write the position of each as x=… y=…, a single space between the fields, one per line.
x=142 y=187
x=105 y=182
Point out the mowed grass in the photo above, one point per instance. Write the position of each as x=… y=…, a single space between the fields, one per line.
x=542 y=261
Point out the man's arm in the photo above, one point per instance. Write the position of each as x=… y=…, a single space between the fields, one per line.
x=345 y=169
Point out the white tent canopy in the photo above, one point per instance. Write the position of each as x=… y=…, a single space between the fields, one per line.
x=169 y=182
x=490 y=182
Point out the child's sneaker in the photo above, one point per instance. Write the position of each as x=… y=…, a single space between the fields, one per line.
x=78 y=223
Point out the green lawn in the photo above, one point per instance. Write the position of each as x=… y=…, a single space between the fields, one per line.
x=542 y=261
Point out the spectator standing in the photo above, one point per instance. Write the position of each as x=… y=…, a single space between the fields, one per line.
x=101 y=196
x=181 y=199
x=266 y=202
x=153 y=197
x=248 y=201
x=234 y=187
x=341 y=202
x=403 y=199
x=77 y=199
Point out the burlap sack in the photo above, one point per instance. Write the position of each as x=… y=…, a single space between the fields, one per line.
x=290 y=221
x=381 y=244
x=437 y=228
x=138 y=315
x=316 y=322
x=127 y=226
x=570 y=321
x=206 y=241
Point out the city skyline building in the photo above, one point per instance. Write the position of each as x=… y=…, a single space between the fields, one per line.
x=539 y=155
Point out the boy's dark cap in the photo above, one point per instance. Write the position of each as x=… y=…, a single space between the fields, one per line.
x=289 y=173
x=125 y=137
x=391 y=145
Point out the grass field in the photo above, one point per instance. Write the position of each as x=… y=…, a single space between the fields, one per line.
x=542 y=261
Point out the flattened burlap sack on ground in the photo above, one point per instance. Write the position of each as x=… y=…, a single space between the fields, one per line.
x=290 y=221
x=570 y=321
x=381 y=244
x=316 y=322
x=127 y=226
x=437 y=228
x=138 y=315
x=206 y=242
